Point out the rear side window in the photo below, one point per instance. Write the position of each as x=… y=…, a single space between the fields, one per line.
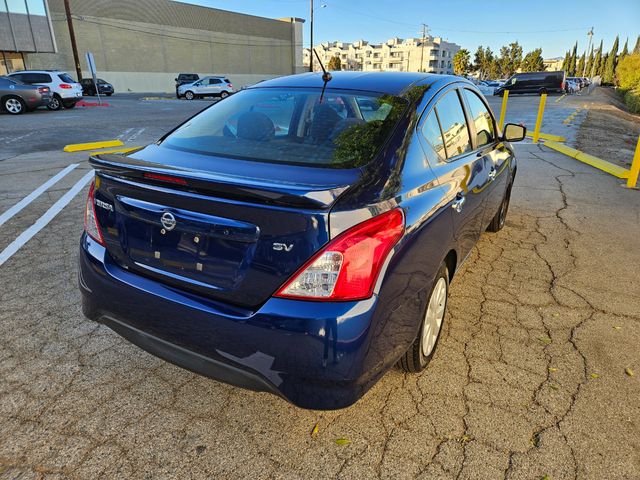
x=485 y=132
x=214 y=81
x=65 y=77
x=453 y=124
x=227 y=80
x=433 y=135
x=293 y=126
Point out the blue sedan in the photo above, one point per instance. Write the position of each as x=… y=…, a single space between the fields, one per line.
x=300 y=236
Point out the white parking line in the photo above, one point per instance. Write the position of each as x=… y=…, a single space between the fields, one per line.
x=135 y=135
x=35 y=194
x=42 y=222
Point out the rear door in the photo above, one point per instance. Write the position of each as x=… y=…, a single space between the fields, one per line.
x=459 y=169
x=214 y=86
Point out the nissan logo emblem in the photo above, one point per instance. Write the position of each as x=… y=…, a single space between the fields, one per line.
x=168 y=221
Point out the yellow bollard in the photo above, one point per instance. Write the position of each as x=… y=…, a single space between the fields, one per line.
x=635 y=168
x=503 y=110
x=536 y=132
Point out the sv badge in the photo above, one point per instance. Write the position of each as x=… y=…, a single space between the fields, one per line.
x=283 y=246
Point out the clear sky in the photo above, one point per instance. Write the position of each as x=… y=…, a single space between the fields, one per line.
x=554 y=25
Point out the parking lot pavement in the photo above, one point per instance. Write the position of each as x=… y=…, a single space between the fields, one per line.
x=531 y=377
x=523 y=109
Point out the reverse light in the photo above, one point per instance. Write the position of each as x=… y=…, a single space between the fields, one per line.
x=43 y=89
x=65 y=86
x=90 y=220
x=347 y=267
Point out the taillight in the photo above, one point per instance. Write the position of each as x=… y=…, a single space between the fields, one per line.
x=229 y=85
x=347 y=267
x=90 y=220
x=65 y=86
x=43 y=89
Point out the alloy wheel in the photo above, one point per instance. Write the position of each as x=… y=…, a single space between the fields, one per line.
x=434 y=316
x=13 y=106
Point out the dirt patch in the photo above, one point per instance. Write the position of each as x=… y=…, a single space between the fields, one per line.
x=609 y=132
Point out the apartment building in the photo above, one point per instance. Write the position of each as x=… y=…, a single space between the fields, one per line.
x=434 y=55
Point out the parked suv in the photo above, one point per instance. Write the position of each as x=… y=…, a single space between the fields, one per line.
x=300 y=236
x=17 y=97
x=184 y=78
x=206 y=87
x=533 y=82
x=104 y=88
x=65 y=91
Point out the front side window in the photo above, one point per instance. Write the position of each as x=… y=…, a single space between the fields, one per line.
x=485 y=132
x=453 y=124
x=343 y=129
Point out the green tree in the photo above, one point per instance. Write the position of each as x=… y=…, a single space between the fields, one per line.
x=482 y=62
x=629 y=72
x=533 y=61
x=334 y=63
x=595 y=68
x=510 y=59
x=461 y=62
x=581 y=66
x=603 y=62
x=609 y=71
x=589 y=63
x=625 y=50
x=494 y=69
x=636 y=49
x=566 y=61
x=572 y=63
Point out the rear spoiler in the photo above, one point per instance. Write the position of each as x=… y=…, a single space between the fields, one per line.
x=237 y=188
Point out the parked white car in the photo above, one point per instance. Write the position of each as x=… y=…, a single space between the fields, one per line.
x=65 y=91
x=206 y=87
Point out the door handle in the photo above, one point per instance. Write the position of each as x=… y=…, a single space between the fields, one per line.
x=459 y=202
x=492 y=173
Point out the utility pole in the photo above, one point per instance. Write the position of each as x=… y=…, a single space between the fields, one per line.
x=424 y=32
x=586 y=58
x=311 y=26
x=72 y=36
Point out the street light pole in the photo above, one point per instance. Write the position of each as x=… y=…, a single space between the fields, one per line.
x=72 y=37
x=584 y=68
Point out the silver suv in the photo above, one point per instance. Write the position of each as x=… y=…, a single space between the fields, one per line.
x=206 y=87
x=65 y=91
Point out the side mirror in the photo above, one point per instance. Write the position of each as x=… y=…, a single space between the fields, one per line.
x=513 y=132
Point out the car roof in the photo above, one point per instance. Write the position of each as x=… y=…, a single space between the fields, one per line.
x=38 y=71
x=393 y=83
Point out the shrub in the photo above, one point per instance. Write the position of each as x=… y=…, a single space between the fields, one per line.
x=632 y=99
x=628 y=72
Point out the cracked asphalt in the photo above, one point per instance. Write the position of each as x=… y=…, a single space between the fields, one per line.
x=528 y=380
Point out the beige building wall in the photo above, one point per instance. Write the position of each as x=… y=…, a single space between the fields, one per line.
x=142 y=52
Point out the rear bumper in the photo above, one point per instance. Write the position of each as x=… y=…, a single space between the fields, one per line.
x=311 y=354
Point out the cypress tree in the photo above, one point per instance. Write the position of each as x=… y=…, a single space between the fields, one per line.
x=565 y=62
x=590 y=63
x=596 y=62
x=601 y=66
x=609 y=71
x=572 y=65
x=636 y=49
x=580 y=67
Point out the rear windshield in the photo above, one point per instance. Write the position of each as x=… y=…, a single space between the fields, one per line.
x=340 y=129
x=65 y=77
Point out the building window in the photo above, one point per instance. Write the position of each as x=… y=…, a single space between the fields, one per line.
x=17 y=6
x=36 y=7
x=11 y=62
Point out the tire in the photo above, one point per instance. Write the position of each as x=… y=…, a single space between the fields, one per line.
x=542 y=91
x=498 y=221
x=424 y=346
x=224 y=94
x=55 y=103
x=189 y=95
x=109 y=94
x=14 y=105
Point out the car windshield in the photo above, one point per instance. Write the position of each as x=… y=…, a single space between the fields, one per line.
x=337 y=129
